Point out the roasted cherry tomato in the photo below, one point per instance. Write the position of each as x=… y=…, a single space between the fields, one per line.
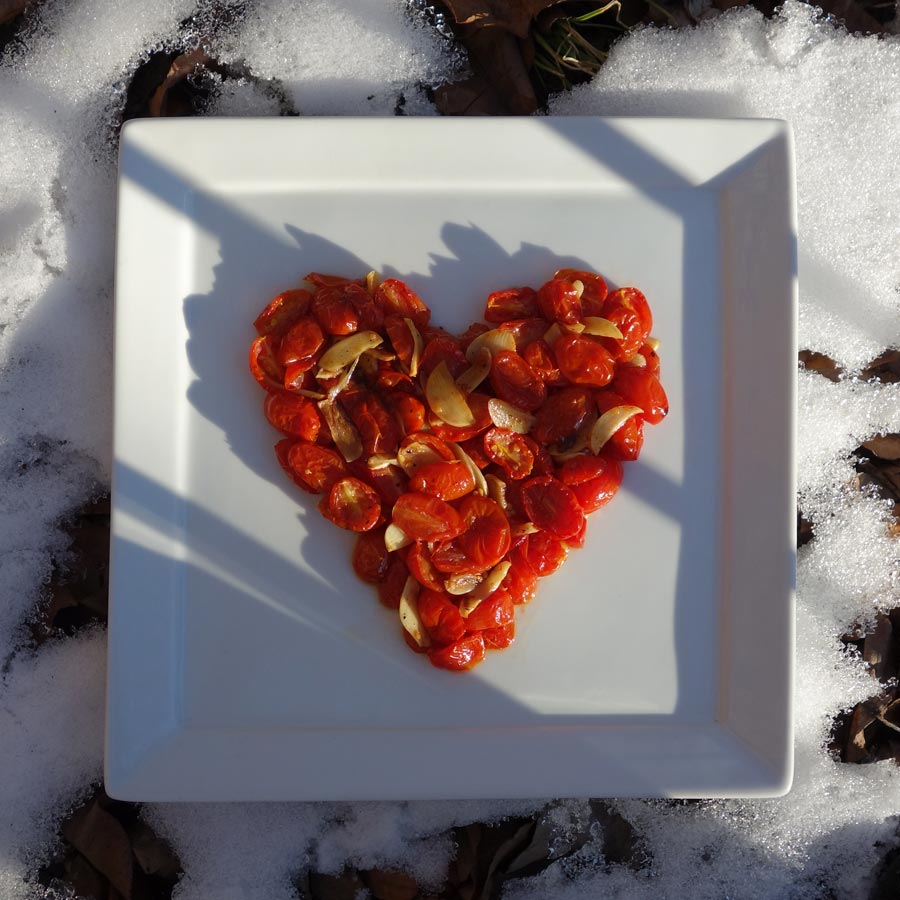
x=478 y=403
x=462 y=654
x=582 y=360
x=631 y=298
x=539 y=355
x=351 y=504
x=445 y=480
x=544 y=553
x=513 y=303
x=400 y=299
x=598 y=491
x=426 y=518
x=552 y=506
x=595 y=289
x=484 y=540
x=521 y=580
x=441 y=617
x=494 y=611
x=516 y=382
x=318 y=468
x=560 y=301
x=510 y=451
x=401 y=338
x=642 y=388
x=625 y=443
x=370 y=557
x=391 y=589
x=293 y=415
x=525 y=331
x=562 y=415
x=378 y=429
x=443 y=348
x=633 y=335
x=264 y=364
x=321 y=280
x=282 y=312
x=409 y=410
x=500 y=637
x=301 y=344
x=335 y=312
x=418 y=561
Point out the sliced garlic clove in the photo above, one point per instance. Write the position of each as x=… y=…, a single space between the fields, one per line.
x=480 y=484
x=600 y=327
x=523 y=529
x=497 y=491
x=459 y=585
x=409 y=613
x=372 y=281
x=637 y=361
x=477 y=372
x=346 y=351
x=342 y=382
x=505 y=415
x=609 y=423
x=395 y=538
x=380 y=461
x=495 y=340
x=579 y=287
x=491 y=582
x=343 y=431
x=553 y=333
x=416 y=454
x=653 y=343
x=577 y=328
x=446 y=400
x=418 y=348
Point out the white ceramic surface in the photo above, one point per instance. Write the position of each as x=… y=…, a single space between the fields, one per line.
x=246 y=661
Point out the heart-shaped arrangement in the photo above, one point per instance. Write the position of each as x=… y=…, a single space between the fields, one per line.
x=466 y=464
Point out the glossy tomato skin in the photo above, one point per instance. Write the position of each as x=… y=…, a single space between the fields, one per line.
x=595 y=289
x=317 y=468
x=293 y=415
x=552 y=506
x=544 y=553
x=463 y=654
x=494 y=611
x=321 y=279
x=425 y=518
x=334 y=311
x=512 y=303
x=351 y=504
x=443 y=348
x=595 y=492
x=478 y=403
x=445 y=480
x=521 y=580
x=582 y=360
x=563 y=414
x=378 y=429
x=525 y=331
x=632 y=299
x=282 y=312
x=264 y=364
x=499 y=638
x=510 y=451
x=401 y=338
x=301 y=344
x=539 y=355
x=559 y=302
x=390 y=590
x=370 y=557
x=626 y=443
x=409 y=410
x=399 y=298
x=514 y=381
x=418 y=561
x=482 y=543
x=633 y=334
x=642 y=388
x=441 y=618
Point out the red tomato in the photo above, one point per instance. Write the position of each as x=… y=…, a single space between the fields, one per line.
x=478 y=403
x=513 y=303
x=302 y=342
x=474 y=447
x=390 y=590
x=321 y=280
x=335 y=312
x=584 y=467
x=562 y=415
x=552 y=506
x=633 y=335
x=599 y=491
x=426 y=518
x=399 y=298
x=409 y=410
x=445 y=480
x=652 y=358
x=418 y=561
x=282 y=452
x=282 y=312
x=264 y=364
x=631 y=298
x=544 y=553
x=370 y=557
x=401 y=338
x=500 y=637
x=463 y=654
x=626 y=443
x=472 y=332
x=642 y=388
x=521 y=580
x=525 y=331
x=378 y=429
x=318 y=468
x=483 y=542
x=440 y=617
x=583 y=360
x=595 y=289
x=543 y=462
x=369 y=313
x=577 y=540
x=389 y=481
x=443 y=348
x=293 y=415
x=539 y=355
x=559 y=302
x=510 y=451
x=493 y=612
x=351 y=504
x=516 y=382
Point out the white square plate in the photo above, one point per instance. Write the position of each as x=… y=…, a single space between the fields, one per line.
x=246 y=661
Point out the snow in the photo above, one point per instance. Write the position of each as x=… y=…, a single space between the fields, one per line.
x=842 y=96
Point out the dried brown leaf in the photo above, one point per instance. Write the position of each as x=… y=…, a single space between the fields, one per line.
x=100 y=838
x=514 y=16
x=181 y=67
x=819 y=362
x=884 y=446
x=885 y=368
x=877 y=648
x=346 y=886
x=497 y=56
x=622 y=845
x=152 y=853
x=9 y=9
x=390 y=884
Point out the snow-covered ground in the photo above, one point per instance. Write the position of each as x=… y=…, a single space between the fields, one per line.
x=58 y=98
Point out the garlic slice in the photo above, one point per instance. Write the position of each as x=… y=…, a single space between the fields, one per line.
x=343 y=431
x=416 y=454
x=418 y=348
x=462 y=584
x=395 y=538
x=601 y=327
x=477 y=372
x=553 y=333
x=380 y=461
x=609 y=423
x=505 y=415
x=373 y=279
x=409 y=613
x=523 y=529
x=577 y=328
x=495 y=340
x=497 y=491
x=445 y=399
x=480 y=483
x=638 y=360
x=579 y=287
x=346 y=351
x=313 y=395
x=491 y=582
x=342 y=382
x=653 y=343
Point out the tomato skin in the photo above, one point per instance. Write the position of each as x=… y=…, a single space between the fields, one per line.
x=444 y=480
x=595 y=289
x=560 y=302
x=494 y=611
x=562 y=415
x=399 y=298
x=642 y=388
x=521 y=580
x=418 y=561
x=334 y=311
x=443 y=348
x=626 y=443
x=472 y=332
x=539 y=355
x=525 y=331
x=426 y=518
x=370 y=556
x=282 y=452
x=552 y=506
x=460 y=655
x=264 y=365
x=378 y=429
x=478 y=403
x=293 y=415
x=512 y=303
x=633 y=335
x=516 y=382
x=579 y=469
x=317 y=468
x=441 y=617
x=401 y=338
x=321 y=280
x=409 y=410
x=631 y=298
x=474 y=447
x=483 y=542
x=577 y=540
x=544 y=553
x=351 y=504
x=303 y=340
x=510 y=451
x=282 y=312
x=500 y=637
x=389 y=482
x=652 y=358
x=390 y=590
x=582 y=360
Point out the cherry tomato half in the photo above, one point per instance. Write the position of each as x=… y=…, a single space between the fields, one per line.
x=293 y=415
x=441 y=617
x=463 y=654
x=552 y=506
x=445 y=480
x=516 y=382
x=370 y=557
x=282 y=312
x=513 y=303
x=426 y=518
